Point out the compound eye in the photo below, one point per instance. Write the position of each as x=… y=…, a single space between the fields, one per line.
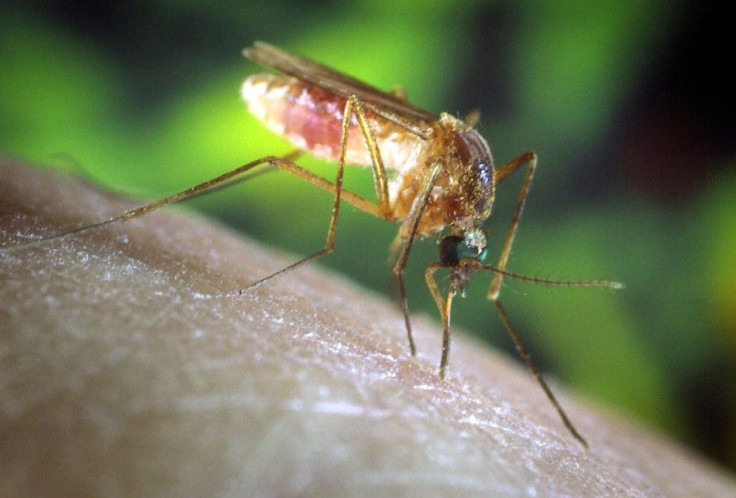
x=449 y=249
x=474 y=244
x=454 y=248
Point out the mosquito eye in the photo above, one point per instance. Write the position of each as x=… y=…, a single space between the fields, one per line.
x=449 y=249
x=453 y=248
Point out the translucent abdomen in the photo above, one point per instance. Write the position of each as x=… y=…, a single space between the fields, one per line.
x=311 y=119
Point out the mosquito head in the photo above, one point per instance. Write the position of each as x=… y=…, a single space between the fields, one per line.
x=456 y=246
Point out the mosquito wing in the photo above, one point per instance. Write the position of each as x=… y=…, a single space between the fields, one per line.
x=386 y=105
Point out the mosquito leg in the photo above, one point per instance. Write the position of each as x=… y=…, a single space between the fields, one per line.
x=408 y=232
x=153 y=206
x=504 y=171
x=537 y=374
x=382 y=209
x=446 y=330
x=529 y=158
x=445 y=307
x=380 y=180
x=283 y=163
x=353 y=106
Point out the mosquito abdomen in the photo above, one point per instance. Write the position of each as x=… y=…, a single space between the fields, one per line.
x=311 y=119
x=307 y=116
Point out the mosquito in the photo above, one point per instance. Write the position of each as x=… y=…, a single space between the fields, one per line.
x=443 y=179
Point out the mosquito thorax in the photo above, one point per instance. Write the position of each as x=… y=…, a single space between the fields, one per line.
x=455 y=247
x=471 y=192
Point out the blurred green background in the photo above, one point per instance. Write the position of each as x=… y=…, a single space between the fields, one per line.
x=626 y=104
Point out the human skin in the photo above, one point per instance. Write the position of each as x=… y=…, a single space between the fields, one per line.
x=128 y=367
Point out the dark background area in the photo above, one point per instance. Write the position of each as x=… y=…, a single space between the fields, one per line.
x=628 y=105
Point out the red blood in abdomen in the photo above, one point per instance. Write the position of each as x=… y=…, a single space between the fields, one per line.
x=316 y=116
